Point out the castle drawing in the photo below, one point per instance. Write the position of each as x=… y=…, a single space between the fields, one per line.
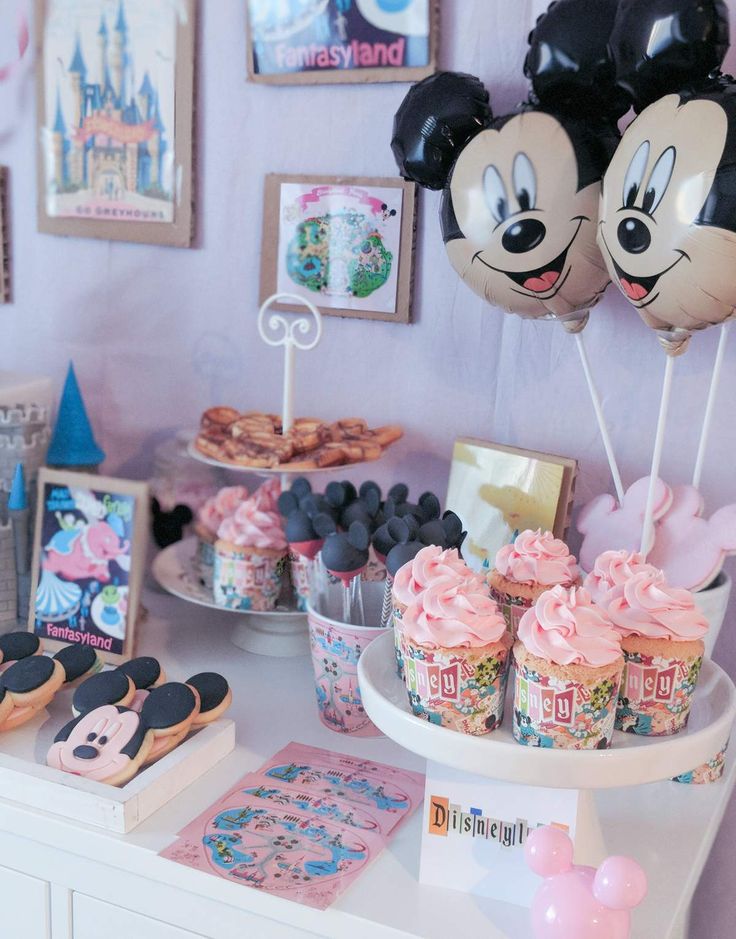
x=113 y=142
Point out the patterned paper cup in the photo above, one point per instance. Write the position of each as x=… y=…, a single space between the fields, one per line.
x=300 y=568
x=567 y=707
x=512 y=608
x=462 y=689
x=205 y=557
x=246 y=579
x=657 y=690
x=336 y=648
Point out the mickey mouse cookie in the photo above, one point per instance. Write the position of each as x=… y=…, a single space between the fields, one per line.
x=29 y=685
x=16 y=646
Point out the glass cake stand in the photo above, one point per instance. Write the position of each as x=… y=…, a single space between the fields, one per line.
x=281 y=633
x=632 y=760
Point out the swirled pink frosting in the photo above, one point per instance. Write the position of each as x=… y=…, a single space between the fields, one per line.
x=254 y=524
x=537 y=557
x=566 y=628
x=220 y=506
x=454 y=614
x=611 y=571
x=649 y=607
x=269 y=492
x=429 y=566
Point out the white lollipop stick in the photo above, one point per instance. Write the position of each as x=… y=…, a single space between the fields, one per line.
x=647 y=533
x=602 y=427
x=708 y=416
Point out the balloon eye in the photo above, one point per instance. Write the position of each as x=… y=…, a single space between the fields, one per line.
x=525 y=182
x=102 y=741
x=91 y=737
x=659 y=181
x=496 y=195
x=635 y=175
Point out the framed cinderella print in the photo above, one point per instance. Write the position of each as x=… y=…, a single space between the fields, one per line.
x=88 y=562
x=114 y=101
x=344 y=243
x=329 y=41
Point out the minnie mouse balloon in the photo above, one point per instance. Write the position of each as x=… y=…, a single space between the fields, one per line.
x=668 y=212
x=520 y=203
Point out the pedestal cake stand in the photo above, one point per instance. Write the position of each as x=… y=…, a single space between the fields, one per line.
x=631 y=761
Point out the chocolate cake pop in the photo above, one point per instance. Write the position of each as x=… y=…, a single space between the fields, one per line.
x=345 y=554
x=301 y=535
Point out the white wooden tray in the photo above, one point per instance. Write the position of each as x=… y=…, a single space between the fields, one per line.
x=26 y=780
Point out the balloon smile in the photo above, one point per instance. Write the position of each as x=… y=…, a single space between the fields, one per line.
x=639 y=289
x=546 y=280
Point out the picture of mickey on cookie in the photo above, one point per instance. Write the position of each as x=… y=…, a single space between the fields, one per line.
x=519 y=209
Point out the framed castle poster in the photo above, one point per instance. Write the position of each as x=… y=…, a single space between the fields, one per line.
x=115 y=89
x=346 y=244
x=329 y=41
x=88 y=561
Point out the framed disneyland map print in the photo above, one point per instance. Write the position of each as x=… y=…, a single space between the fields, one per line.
x=346 y=244
x=114 y=87
x=88 y=562
x=319 y=41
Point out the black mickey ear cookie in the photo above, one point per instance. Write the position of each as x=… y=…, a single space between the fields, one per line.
x=168 y=712
x=113 y=687
x=78 y=662
x=33 y=681
x=215 y=696
x=18 y=645
x=144 y=671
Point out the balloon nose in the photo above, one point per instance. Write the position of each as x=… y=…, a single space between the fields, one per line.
x=523 y=236
x=633 y=235
x=84 y=752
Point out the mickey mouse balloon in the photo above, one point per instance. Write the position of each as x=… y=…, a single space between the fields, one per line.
x=668 y=213
x=520 y=203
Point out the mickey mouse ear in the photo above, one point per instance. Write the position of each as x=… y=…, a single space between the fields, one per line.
x=182 y=514
x=398 y=529
x=336 y=495
x=299 y=527
x=413 y=525
x=389 y=508
x=287 y=503
x=453 y=527
x=399 y=493
x=434 y=122
x=569 y=62
x=359 y=536
x=301 y=487
x=351 y=493
x=369 y=486
x=430 y=505
x=661 y=46
x=433 y=532
x=324 y=525
x=371 y=499
x=401 y=554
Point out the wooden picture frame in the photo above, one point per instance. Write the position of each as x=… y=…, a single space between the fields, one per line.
x=363 y=34
x=5 y=294
x=89 y=549
x=137 y=186
x=304 y=216
x=499 y=490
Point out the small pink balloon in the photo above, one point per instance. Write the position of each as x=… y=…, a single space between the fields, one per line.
x=620 y=883
x=548 y=851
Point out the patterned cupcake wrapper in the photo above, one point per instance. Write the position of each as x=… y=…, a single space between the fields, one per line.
x=300 y=567
x=398 y=641
x=250 y=582
x=462 y=689
x=206 y=562
x=512 y=609
x=656 y=694
x=564 y=714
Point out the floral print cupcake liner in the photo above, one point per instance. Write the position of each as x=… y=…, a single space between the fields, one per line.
x=462 y=689
x=551 y=711
x=656 y=693
x=245 y=581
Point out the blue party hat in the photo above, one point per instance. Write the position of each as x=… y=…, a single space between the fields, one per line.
x=73 y=441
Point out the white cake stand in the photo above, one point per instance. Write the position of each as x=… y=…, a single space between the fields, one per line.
x=281 y=633
x=631 y=761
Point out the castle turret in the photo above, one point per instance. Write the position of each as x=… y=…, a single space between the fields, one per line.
x=77 y=79
x=145 y=97
x=59 y=145
x=119 y=54
x=102 y=50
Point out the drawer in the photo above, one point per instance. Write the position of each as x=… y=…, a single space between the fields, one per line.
x=94 y=919
x=25 y=908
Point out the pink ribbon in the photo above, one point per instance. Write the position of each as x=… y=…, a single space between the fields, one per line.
x=22 y=37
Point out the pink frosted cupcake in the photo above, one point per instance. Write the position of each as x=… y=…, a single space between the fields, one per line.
x=611 y=571
x=431 y=565
x=533 y=563
x=250 y=556
x=456 y=655
x=662 y=633
x=568 y=671
x=209 y=518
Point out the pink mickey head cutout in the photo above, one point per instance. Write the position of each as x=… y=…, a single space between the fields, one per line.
x=606 y=526
x=576 y=902
x=691 y=549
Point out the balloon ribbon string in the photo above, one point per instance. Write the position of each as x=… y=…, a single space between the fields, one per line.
x=708 y=416
x=602 y=427
x=647 y=533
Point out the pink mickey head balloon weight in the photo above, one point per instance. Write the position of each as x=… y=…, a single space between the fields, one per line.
x=577 y=902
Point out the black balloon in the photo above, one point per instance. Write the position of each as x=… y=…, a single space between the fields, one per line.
x=569 y=62
x=662 y=46
x=435 y=121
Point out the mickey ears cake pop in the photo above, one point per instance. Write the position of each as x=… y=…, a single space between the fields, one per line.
x=345 y=554
x=73 y=444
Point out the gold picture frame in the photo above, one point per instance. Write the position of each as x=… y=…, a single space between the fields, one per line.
x=89 y=547
x=499 y=490
x=115 y=147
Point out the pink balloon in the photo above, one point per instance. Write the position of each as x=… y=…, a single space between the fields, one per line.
x=576 y=902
